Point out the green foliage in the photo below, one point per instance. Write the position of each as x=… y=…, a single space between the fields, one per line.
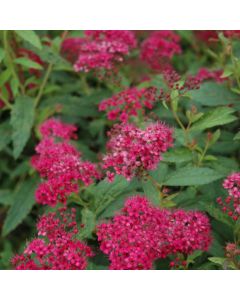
x=31 y=37
x=22 y=203
x=22 y=118
x=192 y=176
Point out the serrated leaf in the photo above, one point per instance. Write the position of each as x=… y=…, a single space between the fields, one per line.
x=213 y=94
x=192 y=176
x=31 y=37
x=23 y=201
x=26 y=62
x=22 y=118
x=216 y=117
x=5 y=134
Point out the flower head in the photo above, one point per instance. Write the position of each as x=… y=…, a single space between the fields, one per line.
x=60 y=164
x=57 y=247
x=159 y=48
x=131 y=150
x=142 y=233
x=128 y=103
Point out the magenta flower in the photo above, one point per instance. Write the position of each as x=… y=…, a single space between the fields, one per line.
x=231 y=204
x=60 y=164
x=57 y=247
x=128 y=103
x=142 y=233
x=132 y=150
x=159 y=48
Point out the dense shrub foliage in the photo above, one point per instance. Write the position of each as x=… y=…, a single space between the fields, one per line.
x=119 y=149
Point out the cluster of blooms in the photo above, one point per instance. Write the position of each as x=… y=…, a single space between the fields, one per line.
x=231 y=205
x=57 y=247
x=232 y=251
x=206 y=36
x=128 y=103
x=210 y=36
x=205 y=74
x=142 y=233
x=131 y=150
x=159 y=48
x=172 y=80
x=99 y=49
x=60 y=164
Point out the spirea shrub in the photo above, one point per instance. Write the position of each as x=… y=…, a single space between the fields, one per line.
x=121 y=148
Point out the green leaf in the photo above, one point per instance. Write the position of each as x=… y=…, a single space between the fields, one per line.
x=213 y=94
x=192 y=176
x=31 y=37
x=2 y=54
x=216 y=117
x=217 y=260
x=89 y=222
x=151 y=191
x=5 y=134
x=26 y=62
x=215 y=137
x=237 y=136
x=23 y=201
x=177 y=155
x=22 y=118
x=4 y=77
x=6 y=197
x=160 y=173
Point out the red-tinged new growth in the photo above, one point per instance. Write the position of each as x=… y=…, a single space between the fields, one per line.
x=142 y=233
x=56 y=247
x=231 y=204
x=129 y=103
x=159 y=48
x=99 y=49
x=132 y=150
x=60 y=164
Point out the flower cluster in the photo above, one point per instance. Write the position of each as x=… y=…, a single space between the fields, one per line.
x=231 y=205
x=205 y=74
x=206 y=36
x=129 y=102
x=57 y=247
x=60 y=164
x=99 y=49
x=142 y=233
x=131 y=150
x=159 y=47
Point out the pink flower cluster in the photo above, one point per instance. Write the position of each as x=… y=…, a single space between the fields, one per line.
x=129 y=102
x=205 y=74
x=231 y=205
x=159 y=47
x=99 y=49
x=57 y=247
x=142 y=233
x=60 y=164
x=131 y=150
